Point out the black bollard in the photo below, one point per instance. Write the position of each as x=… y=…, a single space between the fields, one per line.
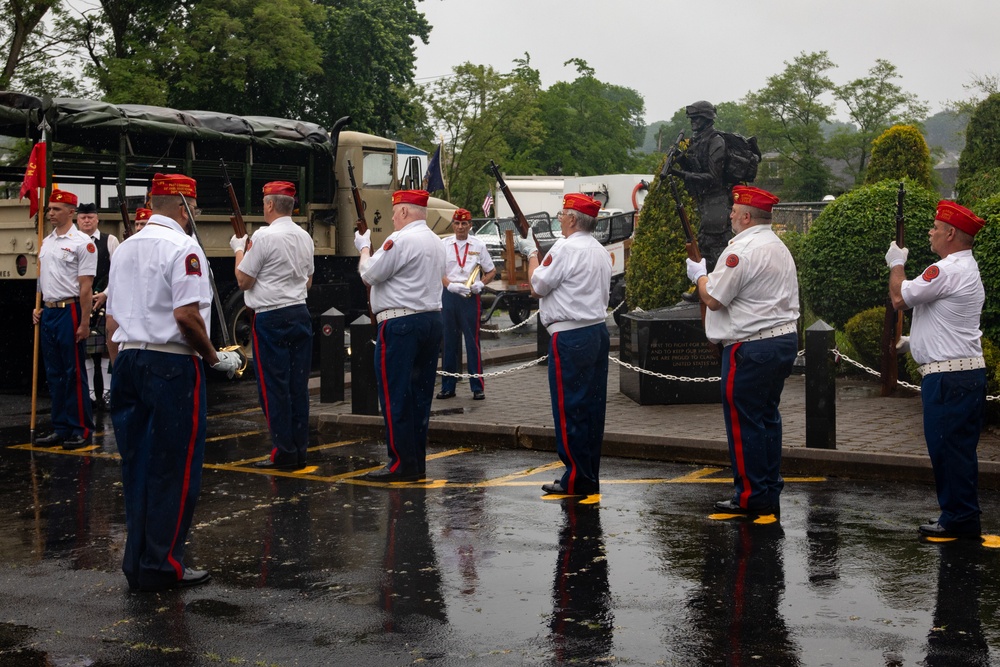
x=542 y=339
x=821 y=387
x=364 y=389
x=331 y=356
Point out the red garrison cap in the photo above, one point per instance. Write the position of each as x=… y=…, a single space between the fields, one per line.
x=748 y=195
x=415 y=197
x=461 y=215
x=142 y=214
x=959 y=217
x=63 y=197
x=279 y=188
x=577 y=201
x=173 y=184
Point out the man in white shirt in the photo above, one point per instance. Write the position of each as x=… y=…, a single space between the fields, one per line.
x=88 y=221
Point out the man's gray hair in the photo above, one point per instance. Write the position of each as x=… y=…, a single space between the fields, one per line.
x=283 y=204
x=586 y=223
x=164 y=202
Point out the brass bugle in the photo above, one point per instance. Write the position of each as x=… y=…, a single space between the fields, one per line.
x=473 y=277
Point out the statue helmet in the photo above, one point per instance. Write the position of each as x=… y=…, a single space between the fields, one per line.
x=701 y=108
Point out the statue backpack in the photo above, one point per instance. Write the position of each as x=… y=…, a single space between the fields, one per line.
x=742 y=158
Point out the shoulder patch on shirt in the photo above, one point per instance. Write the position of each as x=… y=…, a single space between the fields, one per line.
x=732 y=261
x=91 y=248
x=249 y=245
x=387 y=246
x=547 y=260
x=192 y=265
x=931 y=272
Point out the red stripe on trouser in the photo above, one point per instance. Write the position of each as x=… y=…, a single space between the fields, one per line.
x=78 y=380
x=562 y=412
x=390 y=436
x=186 y=486
x=734 y=423
x=479 y=354
x=260 y=378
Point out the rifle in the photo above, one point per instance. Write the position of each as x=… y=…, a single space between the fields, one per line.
x=892 y=327
x=520 y=221
x=362 y=225
x=127 y=223
x=239 y=226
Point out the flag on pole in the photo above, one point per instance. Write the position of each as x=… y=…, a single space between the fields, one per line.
x=34 y=177
x=488 y=203
x=433 y=179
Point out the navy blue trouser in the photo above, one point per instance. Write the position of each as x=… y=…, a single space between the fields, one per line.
x=282 y=355
x=578 y=385
x=406 y=354
x=954 y=407
x=460 y=316
x=65 y=370
x=753 y=376
x=158 y=412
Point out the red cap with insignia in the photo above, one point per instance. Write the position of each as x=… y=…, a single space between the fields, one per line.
x=173 y=184
x=142 y=214
x=63 y=197
x=958 y=217
x=415 y=197
x=577 y=201
x=279 y=188
x=747 y=195
x=461 y=215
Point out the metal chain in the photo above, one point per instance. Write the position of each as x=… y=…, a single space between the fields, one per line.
x=468 y=376
x=678 y=378
x=840 y=355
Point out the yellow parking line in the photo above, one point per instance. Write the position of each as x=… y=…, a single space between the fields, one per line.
x=238 y=412
x=502 y=481
x=330 y=445
x=217 y=438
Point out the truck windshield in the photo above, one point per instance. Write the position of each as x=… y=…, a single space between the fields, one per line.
x=378 y=170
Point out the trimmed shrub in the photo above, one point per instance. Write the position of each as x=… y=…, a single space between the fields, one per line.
x=842 y=267
x=987 y=253
x=656 y=275
x=864 y=332
x=900 y=152
x=982 y=140
x=978 y=187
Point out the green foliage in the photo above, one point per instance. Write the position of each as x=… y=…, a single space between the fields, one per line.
x=864 y=331
x=842 y=269
x=987 y=253
x=982 y=140
x=656 y=275
x=900 y=152
x=978 y=187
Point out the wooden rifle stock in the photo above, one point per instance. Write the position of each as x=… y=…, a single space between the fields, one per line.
x=239 y=226
x=892 y=327
x=523 y=228
x=128 y=224
x=362 y=225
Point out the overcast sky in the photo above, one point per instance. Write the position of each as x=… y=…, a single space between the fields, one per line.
x=675 y=53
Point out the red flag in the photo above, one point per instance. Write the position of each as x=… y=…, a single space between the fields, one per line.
x=34 y=177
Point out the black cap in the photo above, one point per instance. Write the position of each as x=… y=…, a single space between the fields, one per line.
x=701 y=108
x=86 y=208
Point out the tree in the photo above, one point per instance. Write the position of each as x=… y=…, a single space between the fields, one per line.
x=484 y=115
x=900 y=152
x=591 y=127
x=32 y=51
x=787 y=115
x=982 y=141
x=874 y=103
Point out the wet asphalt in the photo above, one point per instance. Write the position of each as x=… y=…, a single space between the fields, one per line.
x=474 y=567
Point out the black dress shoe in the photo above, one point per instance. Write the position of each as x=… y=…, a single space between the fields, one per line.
x=731 y=507
x=190 y=579
x=691 y=297
x=386 y=475
x=76 y=442
x=268 y=464
x=478 y=396
x=445 y=394
x=556 y=488
x=935 y=529
x=50 y=440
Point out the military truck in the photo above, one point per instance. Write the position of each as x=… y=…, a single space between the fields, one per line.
x=93 y=146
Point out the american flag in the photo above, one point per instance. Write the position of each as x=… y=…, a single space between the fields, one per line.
x=487 y=203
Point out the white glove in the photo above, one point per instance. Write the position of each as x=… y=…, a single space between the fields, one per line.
x=228 y=363
x=896 y=256
x=525 y=246
x=457 y=288
x=362 y=241
x=238 y=243
x=696 y=269
x=477 y=287
x=903 y=346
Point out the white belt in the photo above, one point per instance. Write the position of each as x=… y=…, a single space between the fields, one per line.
x=264 y=309
x=773 y=332
x=171 y=348
x=390 y=313
x=967 y=364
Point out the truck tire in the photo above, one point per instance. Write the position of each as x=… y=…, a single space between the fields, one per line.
x=617 y=297
x=519 y=310
x=238 y=322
